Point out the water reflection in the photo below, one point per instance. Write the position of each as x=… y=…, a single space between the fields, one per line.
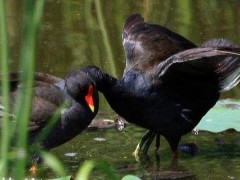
x=76 y=33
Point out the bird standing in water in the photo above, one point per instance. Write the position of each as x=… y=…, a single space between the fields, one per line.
x=73 y=100
x=169 y=83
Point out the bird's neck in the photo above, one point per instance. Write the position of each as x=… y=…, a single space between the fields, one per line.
x=114 y=90
x=78 y=116
x=104 y=82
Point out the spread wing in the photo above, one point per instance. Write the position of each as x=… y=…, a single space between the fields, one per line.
x=146 y=45
x=222 y=62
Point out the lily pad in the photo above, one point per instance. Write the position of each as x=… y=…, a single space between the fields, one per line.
x=62 y=178
x=130 y=177
x=224 y=115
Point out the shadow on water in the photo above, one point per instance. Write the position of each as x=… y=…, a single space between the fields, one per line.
x=77 y=33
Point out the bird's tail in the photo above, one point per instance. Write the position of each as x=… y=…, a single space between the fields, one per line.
x=227 y=69
x=4 y=113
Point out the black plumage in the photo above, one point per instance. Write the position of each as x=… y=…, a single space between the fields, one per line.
x=169 y=83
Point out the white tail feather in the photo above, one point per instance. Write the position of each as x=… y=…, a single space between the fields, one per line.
x=230 y=80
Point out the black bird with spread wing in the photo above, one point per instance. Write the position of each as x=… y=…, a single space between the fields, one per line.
x=169 y=83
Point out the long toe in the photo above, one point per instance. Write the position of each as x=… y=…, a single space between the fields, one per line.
x=139 y=155
x=144 y=144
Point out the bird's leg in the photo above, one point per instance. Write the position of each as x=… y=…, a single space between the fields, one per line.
x=143 y=145
x=156 y=151
x=157 y=141
x=174 y=164
x=175 y=154
x=174 y=141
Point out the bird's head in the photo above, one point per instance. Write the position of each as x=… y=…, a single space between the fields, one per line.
x=82 y=88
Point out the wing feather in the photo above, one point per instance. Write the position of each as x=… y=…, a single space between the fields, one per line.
x=146 y=45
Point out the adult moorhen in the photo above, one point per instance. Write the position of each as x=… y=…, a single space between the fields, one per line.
x=168 y=84
x=74 y=99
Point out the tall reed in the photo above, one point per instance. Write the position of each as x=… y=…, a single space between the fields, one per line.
x=106 y=40
x=5 y=140
x=32 y=15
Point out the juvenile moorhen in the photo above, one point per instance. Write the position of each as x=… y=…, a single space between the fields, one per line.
x=74 y=98
x=168 y=84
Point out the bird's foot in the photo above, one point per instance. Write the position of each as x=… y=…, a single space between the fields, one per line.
x=143 y=146
x=140 y=155
x=36 y=161
x=33 y=169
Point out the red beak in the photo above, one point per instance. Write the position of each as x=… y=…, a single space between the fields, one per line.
x=89 y=98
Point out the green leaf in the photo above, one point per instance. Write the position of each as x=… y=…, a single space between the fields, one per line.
x=224 y=115
x=130 y=177
x=85 y=170
x=87 y=167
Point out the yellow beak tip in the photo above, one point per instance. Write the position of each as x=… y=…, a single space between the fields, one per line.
x=91 y=107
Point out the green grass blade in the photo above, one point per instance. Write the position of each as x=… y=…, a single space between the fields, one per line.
x=85 y=170
x=62 y=178
x=87 y=167
x=33 y=11
x=51 y=124
x=52 y=162
x=5 y=135
x=106 y=40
